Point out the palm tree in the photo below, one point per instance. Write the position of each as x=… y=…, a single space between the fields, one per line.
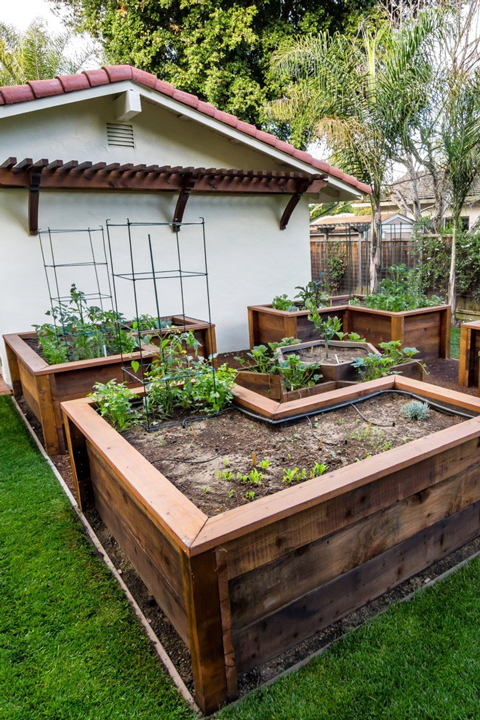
x=460 y=140
x=36 y=54
x=358 y=94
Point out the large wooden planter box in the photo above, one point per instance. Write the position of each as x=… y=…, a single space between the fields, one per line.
x=45 y=386
x=427 y=329
x=331 y=370
x=273 y=386
x=468 y=357
x=246 y=585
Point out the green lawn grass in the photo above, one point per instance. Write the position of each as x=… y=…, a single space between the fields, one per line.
x=455 y=342
x=71 y=648
x=70 y=645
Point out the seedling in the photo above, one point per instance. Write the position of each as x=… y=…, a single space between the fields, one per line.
x=250 y=495
x=326 y=329
x=318 y=470
x=226 y=462
x=294 y=475
x=264 y=464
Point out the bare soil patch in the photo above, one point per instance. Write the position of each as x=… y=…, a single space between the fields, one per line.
x=336 y=354
x=209 y=459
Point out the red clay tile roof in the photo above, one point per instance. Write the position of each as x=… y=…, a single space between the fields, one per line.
x=63 y=84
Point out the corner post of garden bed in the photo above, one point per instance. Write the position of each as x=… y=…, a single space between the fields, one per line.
x=209 y=653
x=397 y=327
x=77 y=450
x=14 y=370
x=445 y=331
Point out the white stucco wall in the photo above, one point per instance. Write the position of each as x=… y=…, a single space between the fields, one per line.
x=250 y=259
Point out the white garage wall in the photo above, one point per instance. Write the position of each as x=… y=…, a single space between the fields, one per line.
x=250 y=259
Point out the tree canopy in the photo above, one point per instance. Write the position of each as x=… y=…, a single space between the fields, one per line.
x=36 y=54
x=218 y=49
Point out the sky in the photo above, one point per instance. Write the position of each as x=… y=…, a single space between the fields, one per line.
x=20 y=13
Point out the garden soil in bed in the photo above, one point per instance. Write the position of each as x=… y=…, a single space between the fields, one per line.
x=174 y=645
x=196 y=457
x=335 y=354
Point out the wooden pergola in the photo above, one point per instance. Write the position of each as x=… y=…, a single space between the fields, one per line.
x=73 y=175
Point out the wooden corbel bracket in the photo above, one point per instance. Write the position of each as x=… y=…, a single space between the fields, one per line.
x=35 y=176
x=293 y=202
x=188 y=183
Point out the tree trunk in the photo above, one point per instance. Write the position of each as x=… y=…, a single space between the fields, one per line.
x=451 y=275
x=375 y=244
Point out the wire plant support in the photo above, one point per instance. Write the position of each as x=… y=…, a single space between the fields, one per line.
x=64 y=273
x=145 y=256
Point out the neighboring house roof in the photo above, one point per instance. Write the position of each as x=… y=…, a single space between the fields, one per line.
x=424 y=186
x=355 y=220
x=64 y=84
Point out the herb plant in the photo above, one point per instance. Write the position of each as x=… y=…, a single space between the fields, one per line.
x=312 y=294
x=415 y=410
x=297 y=374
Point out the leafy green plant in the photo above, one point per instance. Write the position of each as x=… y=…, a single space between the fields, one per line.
x=211 y=391
x=264 y=464
x=415 y=410
x=400 y=290
x=80 y=331
x=297 y=374
x=114 y=402
x=294 y=475
x=373 y=366
x=326 y=329
x=250 y=495
x=335 y=267
x=312 y=294
x=282 y=302
x=318 y=470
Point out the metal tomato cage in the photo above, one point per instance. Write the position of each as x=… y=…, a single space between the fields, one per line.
x=89 y=259
x=148 y=257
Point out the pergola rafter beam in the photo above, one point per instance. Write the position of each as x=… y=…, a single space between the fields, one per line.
x=72 y=175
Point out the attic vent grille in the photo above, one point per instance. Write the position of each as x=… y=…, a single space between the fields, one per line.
x=121 y=135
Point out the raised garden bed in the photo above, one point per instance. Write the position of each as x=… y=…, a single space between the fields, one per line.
x=427 y=329
x=273 y=386
x=45 y=386
x=338 y=365
x=468 y=355
x=243 y=585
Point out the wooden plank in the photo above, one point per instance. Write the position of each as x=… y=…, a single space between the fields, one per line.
x=317 y=610
x=205 y=632
x=14 y=372
x=28 y=356
x=278 y=583
x=226 y=617
x=144 y=560
x=445 y=332
x=251 y=400
x=464 y=364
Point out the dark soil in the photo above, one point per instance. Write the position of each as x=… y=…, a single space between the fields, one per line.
x=336 y=354
x=203 y=458
x=445 y=373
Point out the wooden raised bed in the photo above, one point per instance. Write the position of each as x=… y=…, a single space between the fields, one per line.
x=45 y=386
x=273 y=386
x=427 y=329
x=331 y=370
x=246 y=585
x=468 y=357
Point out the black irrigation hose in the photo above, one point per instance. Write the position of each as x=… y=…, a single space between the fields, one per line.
x=347 y=403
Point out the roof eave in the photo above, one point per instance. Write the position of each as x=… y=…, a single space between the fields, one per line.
x=337 y=189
